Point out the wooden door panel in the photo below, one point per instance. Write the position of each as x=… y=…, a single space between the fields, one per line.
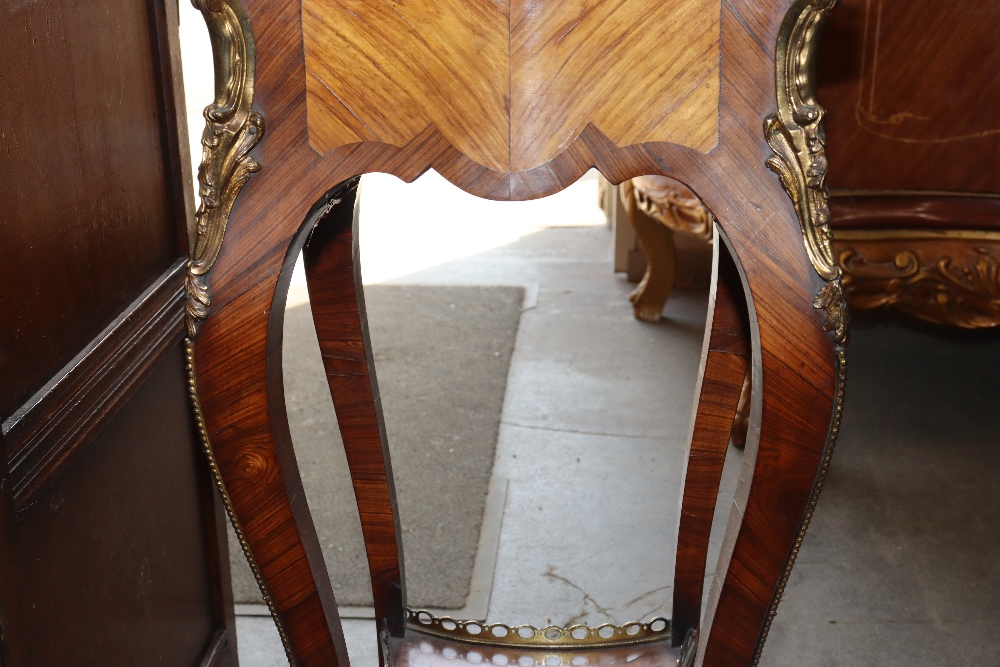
x=47 y=434
x=112 y=538
x=112 y=571
x=89 y=219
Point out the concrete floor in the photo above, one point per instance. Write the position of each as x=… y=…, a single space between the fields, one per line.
x=899 y=566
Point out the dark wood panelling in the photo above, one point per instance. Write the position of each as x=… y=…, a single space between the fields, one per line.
x=15 y=647
x=911 y=93
x=164 y=16
x=87 y=216
x=50 y=431
x=112 y=571
x=218 y=652
x=112 y=538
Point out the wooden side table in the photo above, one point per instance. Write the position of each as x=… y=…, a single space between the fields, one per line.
x=513 y=100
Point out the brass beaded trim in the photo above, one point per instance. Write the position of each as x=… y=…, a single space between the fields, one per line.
x=528 y=636
x=831 y=441
x=227 y=502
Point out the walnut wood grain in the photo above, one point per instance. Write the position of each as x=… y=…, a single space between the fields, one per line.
x=511 y=84
x=724 y=362
x=238 y=351
x=337 y=300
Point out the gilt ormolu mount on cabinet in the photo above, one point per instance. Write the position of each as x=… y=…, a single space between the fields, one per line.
x=508 y=100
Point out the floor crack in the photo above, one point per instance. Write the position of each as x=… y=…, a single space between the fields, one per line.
x=587 y=598
x=646 y=595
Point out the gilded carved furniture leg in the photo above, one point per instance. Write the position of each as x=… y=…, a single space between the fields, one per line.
x=725 y=361
x=657 y=207
x=333 y=274
x=657 y=242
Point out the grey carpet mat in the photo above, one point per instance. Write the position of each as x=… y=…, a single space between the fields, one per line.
x=441 y=358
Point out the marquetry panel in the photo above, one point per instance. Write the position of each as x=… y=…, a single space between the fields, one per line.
x=639 y=71
x=385 y=70
x=511 y=83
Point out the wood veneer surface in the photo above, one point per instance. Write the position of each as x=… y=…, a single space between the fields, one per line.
x=238 y=351
x=511 y=83
x=911 y=92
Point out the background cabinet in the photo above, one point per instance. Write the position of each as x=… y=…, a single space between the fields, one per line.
x=112 y=543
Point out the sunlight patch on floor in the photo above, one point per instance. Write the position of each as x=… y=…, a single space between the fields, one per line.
x=409 y=227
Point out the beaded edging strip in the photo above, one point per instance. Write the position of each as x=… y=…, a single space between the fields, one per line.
x=227 y=502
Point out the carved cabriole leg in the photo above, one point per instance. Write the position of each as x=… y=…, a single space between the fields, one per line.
x=234 y=360
x=787 y=445
x=251 y=454
x=657 y=240
x=333 y=273
x=235 y=365
x=724 y=362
